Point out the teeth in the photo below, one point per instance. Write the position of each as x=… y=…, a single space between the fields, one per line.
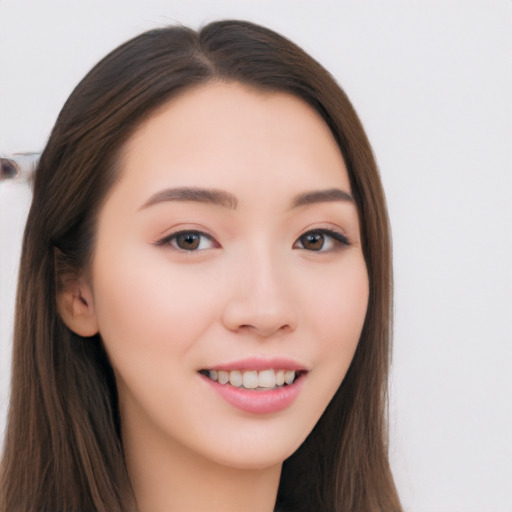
x=251 y=379
x=267 y=379
x=235 y=378
x=289 y=376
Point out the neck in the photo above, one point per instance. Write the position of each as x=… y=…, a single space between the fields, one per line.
x=175 y=479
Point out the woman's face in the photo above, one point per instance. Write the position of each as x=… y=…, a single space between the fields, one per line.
x=229 y=250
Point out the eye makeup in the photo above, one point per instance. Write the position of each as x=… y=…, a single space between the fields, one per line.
x=189 y=240
x=315 y=240
x=321 y=240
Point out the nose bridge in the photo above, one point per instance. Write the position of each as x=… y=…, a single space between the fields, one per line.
x=266 y=273
x=262 y=299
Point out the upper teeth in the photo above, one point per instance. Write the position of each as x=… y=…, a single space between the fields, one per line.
x=251 y=379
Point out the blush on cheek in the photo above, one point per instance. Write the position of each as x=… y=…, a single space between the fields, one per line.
x=148 y=308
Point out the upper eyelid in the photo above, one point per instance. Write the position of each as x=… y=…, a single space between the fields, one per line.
x=169 y=236
x=184 y=227
x=333 y=233
x=328 y=230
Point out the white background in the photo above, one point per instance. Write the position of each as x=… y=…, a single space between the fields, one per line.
x=432 y=83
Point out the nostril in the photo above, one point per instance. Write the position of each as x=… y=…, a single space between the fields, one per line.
x=265 y=328
x=9 y=169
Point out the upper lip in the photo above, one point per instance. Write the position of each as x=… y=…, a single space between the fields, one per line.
x=260 y=363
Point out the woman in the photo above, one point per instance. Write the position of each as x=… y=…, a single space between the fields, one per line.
x=203 y=312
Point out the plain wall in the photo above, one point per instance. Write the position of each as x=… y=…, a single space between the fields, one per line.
x=432 y=83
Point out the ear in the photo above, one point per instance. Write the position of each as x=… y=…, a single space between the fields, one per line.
x=76 y=307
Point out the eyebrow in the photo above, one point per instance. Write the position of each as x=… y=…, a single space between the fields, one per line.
x=322 y=196
x=228 y=200
x=198 y=195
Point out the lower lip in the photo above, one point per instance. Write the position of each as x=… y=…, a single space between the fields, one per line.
x=258 y=401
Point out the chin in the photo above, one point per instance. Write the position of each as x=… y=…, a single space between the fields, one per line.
x=256 y=452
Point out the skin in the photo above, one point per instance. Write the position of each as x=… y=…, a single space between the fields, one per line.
x=252 y=288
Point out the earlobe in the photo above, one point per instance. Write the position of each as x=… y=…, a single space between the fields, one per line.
x=76 y=308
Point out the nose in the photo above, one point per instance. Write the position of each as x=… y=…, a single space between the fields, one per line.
x=261 y=301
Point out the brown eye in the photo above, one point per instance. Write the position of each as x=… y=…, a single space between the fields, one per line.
x=312 y=241
x=188 y=241
x=321 y=240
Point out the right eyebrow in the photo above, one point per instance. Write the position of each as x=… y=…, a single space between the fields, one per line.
x=322 y=196
x=194 y=194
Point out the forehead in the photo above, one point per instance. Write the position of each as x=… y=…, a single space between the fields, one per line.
x=229 y=132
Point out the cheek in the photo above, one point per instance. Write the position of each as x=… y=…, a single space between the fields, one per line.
x=349 y=311
x=336 y=322
x=145 y=307
x=338 y=307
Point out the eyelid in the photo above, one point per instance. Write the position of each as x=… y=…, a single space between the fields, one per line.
x=170 y=237
x=335 y=234
x=340 y=239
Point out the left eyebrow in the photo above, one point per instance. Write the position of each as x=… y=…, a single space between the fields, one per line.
x=322 y=196
x=193 y=194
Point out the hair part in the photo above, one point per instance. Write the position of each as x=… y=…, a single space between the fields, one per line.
x=63 y=446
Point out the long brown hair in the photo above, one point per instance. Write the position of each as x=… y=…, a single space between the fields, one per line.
x=63 y=450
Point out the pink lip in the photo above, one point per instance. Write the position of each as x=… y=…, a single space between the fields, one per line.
x=255 y=401
x=259 y=363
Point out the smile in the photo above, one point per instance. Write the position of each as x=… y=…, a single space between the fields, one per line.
x=254 y=380
x=254 y=388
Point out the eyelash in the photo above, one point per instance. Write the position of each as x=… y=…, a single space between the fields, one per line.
x=173 y=237
x=338 y=240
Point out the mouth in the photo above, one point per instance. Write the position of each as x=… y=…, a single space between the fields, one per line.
x=255 y=380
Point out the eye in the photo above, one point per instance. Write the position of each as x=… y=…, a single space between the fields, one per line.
x=321 y=240
x=188 y=241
